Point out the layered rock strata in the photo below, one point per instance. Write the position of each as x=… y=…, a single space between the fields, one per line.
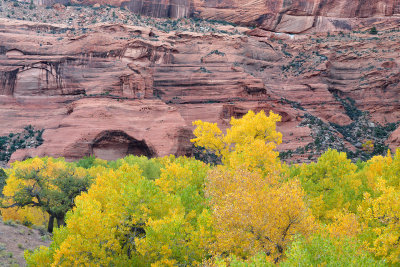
x=119 y=89
x=274 y=15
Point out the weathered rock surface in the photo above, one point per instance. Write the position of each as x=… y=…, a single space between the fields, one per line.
x=120 y=89
x=105 y=127
x=275 y=15
x=296 y=16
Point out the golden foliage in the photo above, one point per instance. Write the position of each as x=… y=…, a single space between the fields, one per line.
x=253 y=210
x=249 y=211
x=40 y=187
x=126 y=219
x=249 y=143
x=254 y=214
x=380 y=218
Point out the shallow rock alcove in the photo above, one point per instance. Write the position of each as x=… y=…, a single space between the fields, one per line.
x=14 y=52
x=115 y=144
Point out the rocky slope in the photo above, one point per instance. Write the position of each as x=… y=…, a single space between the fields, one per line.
x=275 y=15
x=133 y=85
x=16 y=238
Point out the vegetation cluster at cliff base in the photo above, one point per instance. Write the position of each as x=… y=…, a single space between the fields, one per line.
x=29 y=137
x=249 y=210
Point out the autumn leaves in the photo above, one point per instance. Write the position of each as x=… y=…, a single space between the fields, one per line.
x=252 y=210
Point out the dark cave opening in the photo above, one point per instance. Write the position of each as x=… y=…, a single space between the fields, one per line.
x=112 y=145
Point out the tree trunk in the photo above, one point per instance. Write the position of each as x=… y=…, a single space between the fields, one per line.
x=51 y=224
x=60 y=221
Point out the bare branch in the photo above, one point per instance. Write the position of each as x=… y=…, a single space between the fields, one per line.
x=19 y=205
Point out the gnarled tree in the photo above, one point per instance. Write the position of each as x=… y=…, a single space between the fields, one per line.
x=46 y=183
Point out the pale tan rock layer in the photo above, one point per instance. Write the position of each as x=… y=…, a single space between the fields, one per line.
x=118 y=90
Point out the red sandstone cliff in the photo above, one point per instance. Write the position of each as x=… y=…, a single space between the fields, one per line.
x=118 y=90
x=114 y=89
x=275 y=15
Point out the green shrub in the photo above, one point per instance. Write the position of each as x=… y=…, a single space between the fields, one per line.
x=322 y=250
x=373 y=30
x=3 y=177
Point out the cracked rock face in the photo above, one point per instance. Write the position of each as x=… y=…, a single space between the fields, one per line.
x=120 y=89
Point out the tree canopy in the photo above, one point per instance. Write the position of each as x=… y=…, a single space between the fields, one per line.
x=249 y=210
x=48 y=184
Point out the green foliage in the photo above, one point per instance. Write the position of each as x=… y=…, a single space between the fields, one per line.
x=136 y=217
x=350 y=107
x=217 y=52
x=3 y=177
x=373 y=30
x=50 y=184
x=322 y=250
x=31 y=5
x=204 y=70
x=151 y=168
x=206 y=156
x=29 y=137
x=249 y=210
x=330 y=184
x=91 y=161
x=86 y=162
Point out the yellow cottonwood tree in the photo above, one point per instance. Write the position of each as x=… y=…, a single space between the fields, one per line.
x=249 y=143
x=253 y=208
x=126 y=219
x=380 y=220
x=345 y=224
x=380 y=210
x=253 y=213
x=331 y=185
x=43 y=183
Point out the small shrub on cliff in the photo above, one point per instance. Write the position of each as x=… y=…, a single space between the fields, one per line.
x=373 y=31
x=31 y=5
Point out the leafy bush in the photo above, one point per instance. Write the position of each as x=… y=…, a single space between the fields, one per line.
x=323 y=250
x=3 y=177
x=373 y=30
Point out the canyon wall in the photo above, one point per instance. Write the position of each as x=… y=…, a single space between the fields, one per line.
x=119 y=89
x=290 y=16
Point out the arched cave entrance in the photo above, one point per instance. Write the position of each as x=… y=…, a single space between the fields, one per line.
x=14 y=52
x=112 y=145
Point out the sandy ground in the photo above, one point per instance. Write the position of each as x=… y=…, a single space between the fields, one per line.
x=14 y=239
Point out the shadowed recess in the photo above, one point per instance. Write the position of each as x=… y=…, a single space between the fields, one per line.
x=112 y=145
